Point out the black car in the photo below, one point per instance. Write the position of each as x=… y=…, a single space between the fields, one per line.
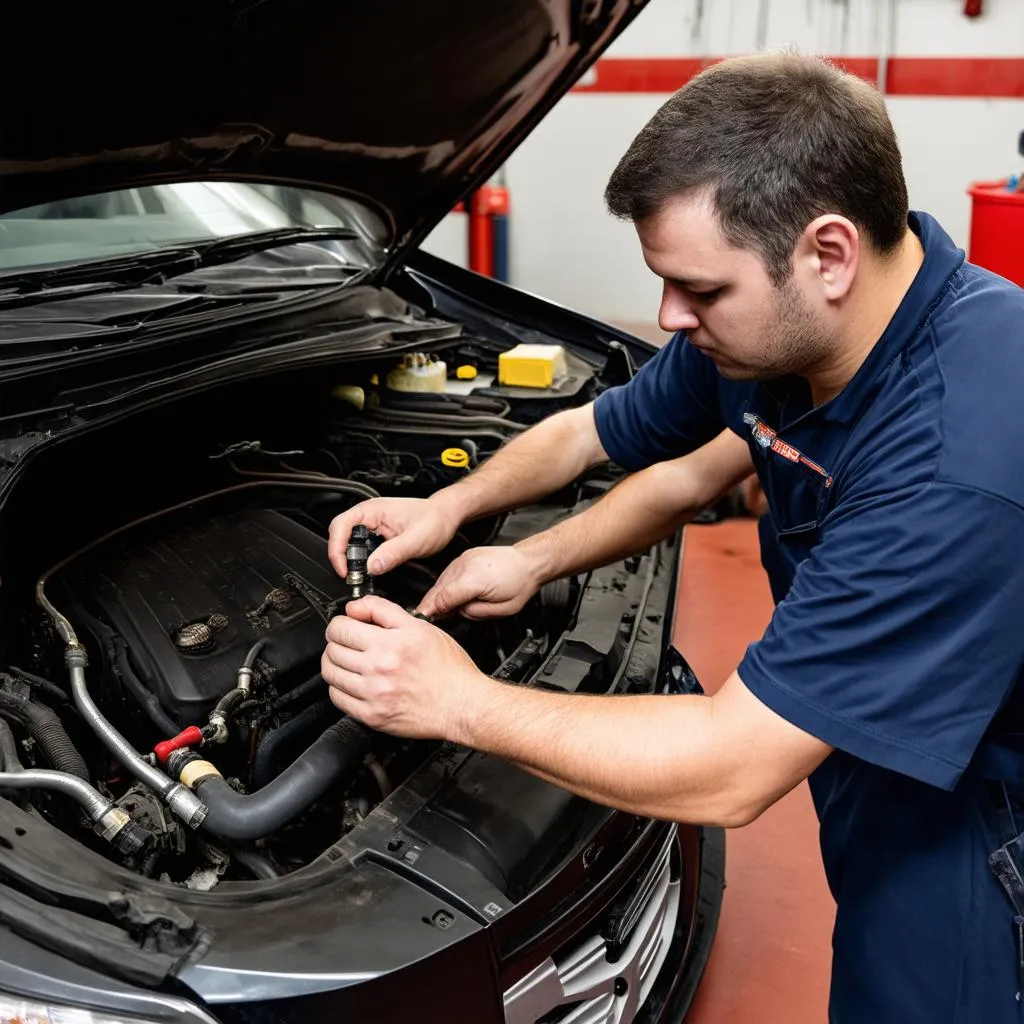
x=216 y=333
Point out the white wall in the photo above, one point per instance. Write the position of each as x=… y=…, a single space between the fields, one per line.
x=566 y=247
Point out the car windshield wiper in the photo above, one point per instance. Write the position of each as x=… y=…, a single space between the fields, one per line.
x=157 y=266
x=236 y=247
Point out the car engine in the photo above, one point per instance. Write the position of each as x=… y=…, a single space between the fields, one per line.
x=161 y=699
x=197 y=631
x=190 y=600
x=196 y=735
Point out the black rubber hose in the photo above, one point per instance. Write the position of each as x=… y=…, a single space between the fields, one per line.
x=9 y=760
x=304 y=689
x=275 y=742
x=227 y=704
x=279 y=704
x=50 y=689
x=143 y=697
x=259 y=865
x=48 y=731
x=250 y=658
x=338 y=752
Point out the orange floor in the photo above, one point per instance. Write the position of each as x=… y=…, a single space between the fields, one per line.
x=770 y=961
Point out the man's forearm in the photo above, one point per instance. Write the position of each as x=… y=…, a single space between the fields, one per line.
x=655 y=756
x=644 y=509
x=533 y=465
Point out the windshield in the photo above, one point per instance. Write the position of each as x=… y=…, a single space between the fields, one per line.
x=137 y=220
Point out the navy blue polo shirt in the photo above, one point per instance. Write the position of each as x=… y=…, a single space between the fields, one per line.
x=895 y=547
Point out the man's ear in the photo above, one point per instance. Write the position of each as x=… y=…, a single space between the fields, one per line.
x=830 y=248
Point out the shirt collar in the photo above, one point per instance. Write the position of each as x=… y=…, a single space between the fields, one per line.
x=942 y=259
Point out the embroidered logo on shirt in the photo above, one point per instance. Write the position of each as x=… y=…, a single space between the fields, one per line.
x=769 y=439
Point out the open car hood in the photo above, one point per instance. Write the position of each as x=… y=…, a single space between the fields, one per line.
x=406 y=105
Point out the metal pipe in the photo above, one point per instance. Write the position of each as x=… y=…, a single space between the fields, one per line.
x=93 y=802
x=245 y=672
x=109 y=821
x=183 y=802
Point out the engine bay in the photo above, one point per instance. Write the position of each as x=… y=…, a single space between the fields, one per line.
x=170 y=660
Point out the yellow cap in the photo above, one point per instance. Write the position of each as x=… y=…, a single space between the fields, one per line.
x=375 y=380
x=351 y=394
x=466 y=373
x=456 y=458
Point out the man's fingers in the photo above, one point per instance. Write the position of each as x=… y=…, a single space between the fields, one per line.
x=379 y=612
x=440 y=600
x=348 y=704
x=351 y=631
x=488 y=609
x=393 y=552
x=346 y=658
x=338 y=678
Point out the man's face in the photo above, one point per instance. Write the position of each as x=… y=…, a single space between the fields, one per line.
x=723 y=298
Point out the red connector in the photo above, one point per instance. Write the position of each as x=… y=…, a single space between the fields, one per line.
x=190 y=737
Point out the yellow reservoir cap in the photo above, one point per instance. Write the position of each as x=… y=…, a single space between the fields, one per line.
x=455 y=458
x=350 y=393
x=466 y=373
x=531 y=366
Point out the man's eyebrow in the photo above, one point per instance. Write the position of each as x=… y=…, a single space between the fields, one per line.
x=696 y=282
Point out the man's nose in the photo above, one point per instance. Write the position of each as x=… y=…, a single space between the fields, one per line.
x=675 y=313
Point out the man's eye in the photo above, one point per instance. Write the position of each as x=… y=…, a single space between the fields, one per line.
x=708 y=296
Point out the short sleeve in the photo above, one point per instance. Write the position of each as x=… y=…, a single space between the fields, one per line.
x=670 y=407
x=903 y=632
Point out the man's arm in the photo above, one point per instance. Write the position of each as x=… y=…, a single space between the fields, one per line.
x=712 y=760
x=644 y=509
x=544 y=458
x=719 y=760
x=538 y=462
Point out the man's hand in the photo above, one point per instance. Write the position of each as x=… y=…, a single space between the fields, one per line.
x=412 y=528
x=398 y=673
x=484 y=583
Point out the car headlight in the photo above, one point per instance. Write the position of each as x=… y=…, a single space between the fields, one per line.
x=15 y=1010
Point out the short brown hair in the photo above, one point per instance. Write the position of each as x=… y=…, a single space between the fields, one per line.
x=777 y=140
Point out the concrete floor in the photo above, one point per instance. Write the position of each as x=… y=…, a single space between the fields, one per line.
x=771 y=957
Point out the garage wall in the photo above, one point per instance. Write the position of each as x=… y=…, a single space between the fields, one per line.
x=957 y=118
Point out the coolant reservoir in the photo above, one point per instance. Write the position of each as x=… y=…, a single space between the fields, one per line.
x=418 y=372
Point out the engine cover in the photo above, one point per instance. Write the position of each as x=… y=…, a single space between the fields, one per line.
x=190 y=600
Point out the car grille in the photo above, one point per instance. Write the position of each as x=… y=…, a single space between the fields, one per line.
x=585 y=986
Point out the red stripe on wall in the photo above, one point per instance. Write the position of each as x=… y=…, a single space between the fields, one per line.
x=965 y=76
x=906 y=76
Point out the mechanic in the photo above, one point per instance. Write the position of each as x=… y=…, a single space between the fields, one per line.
x=839 y=345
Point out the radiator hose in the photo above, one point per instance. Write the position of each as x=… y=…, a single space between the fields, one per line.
x=46 y=728
x=335 y=755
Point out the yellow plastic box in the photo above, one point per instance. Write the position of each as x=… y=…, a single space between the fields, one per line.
x=531 y=366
